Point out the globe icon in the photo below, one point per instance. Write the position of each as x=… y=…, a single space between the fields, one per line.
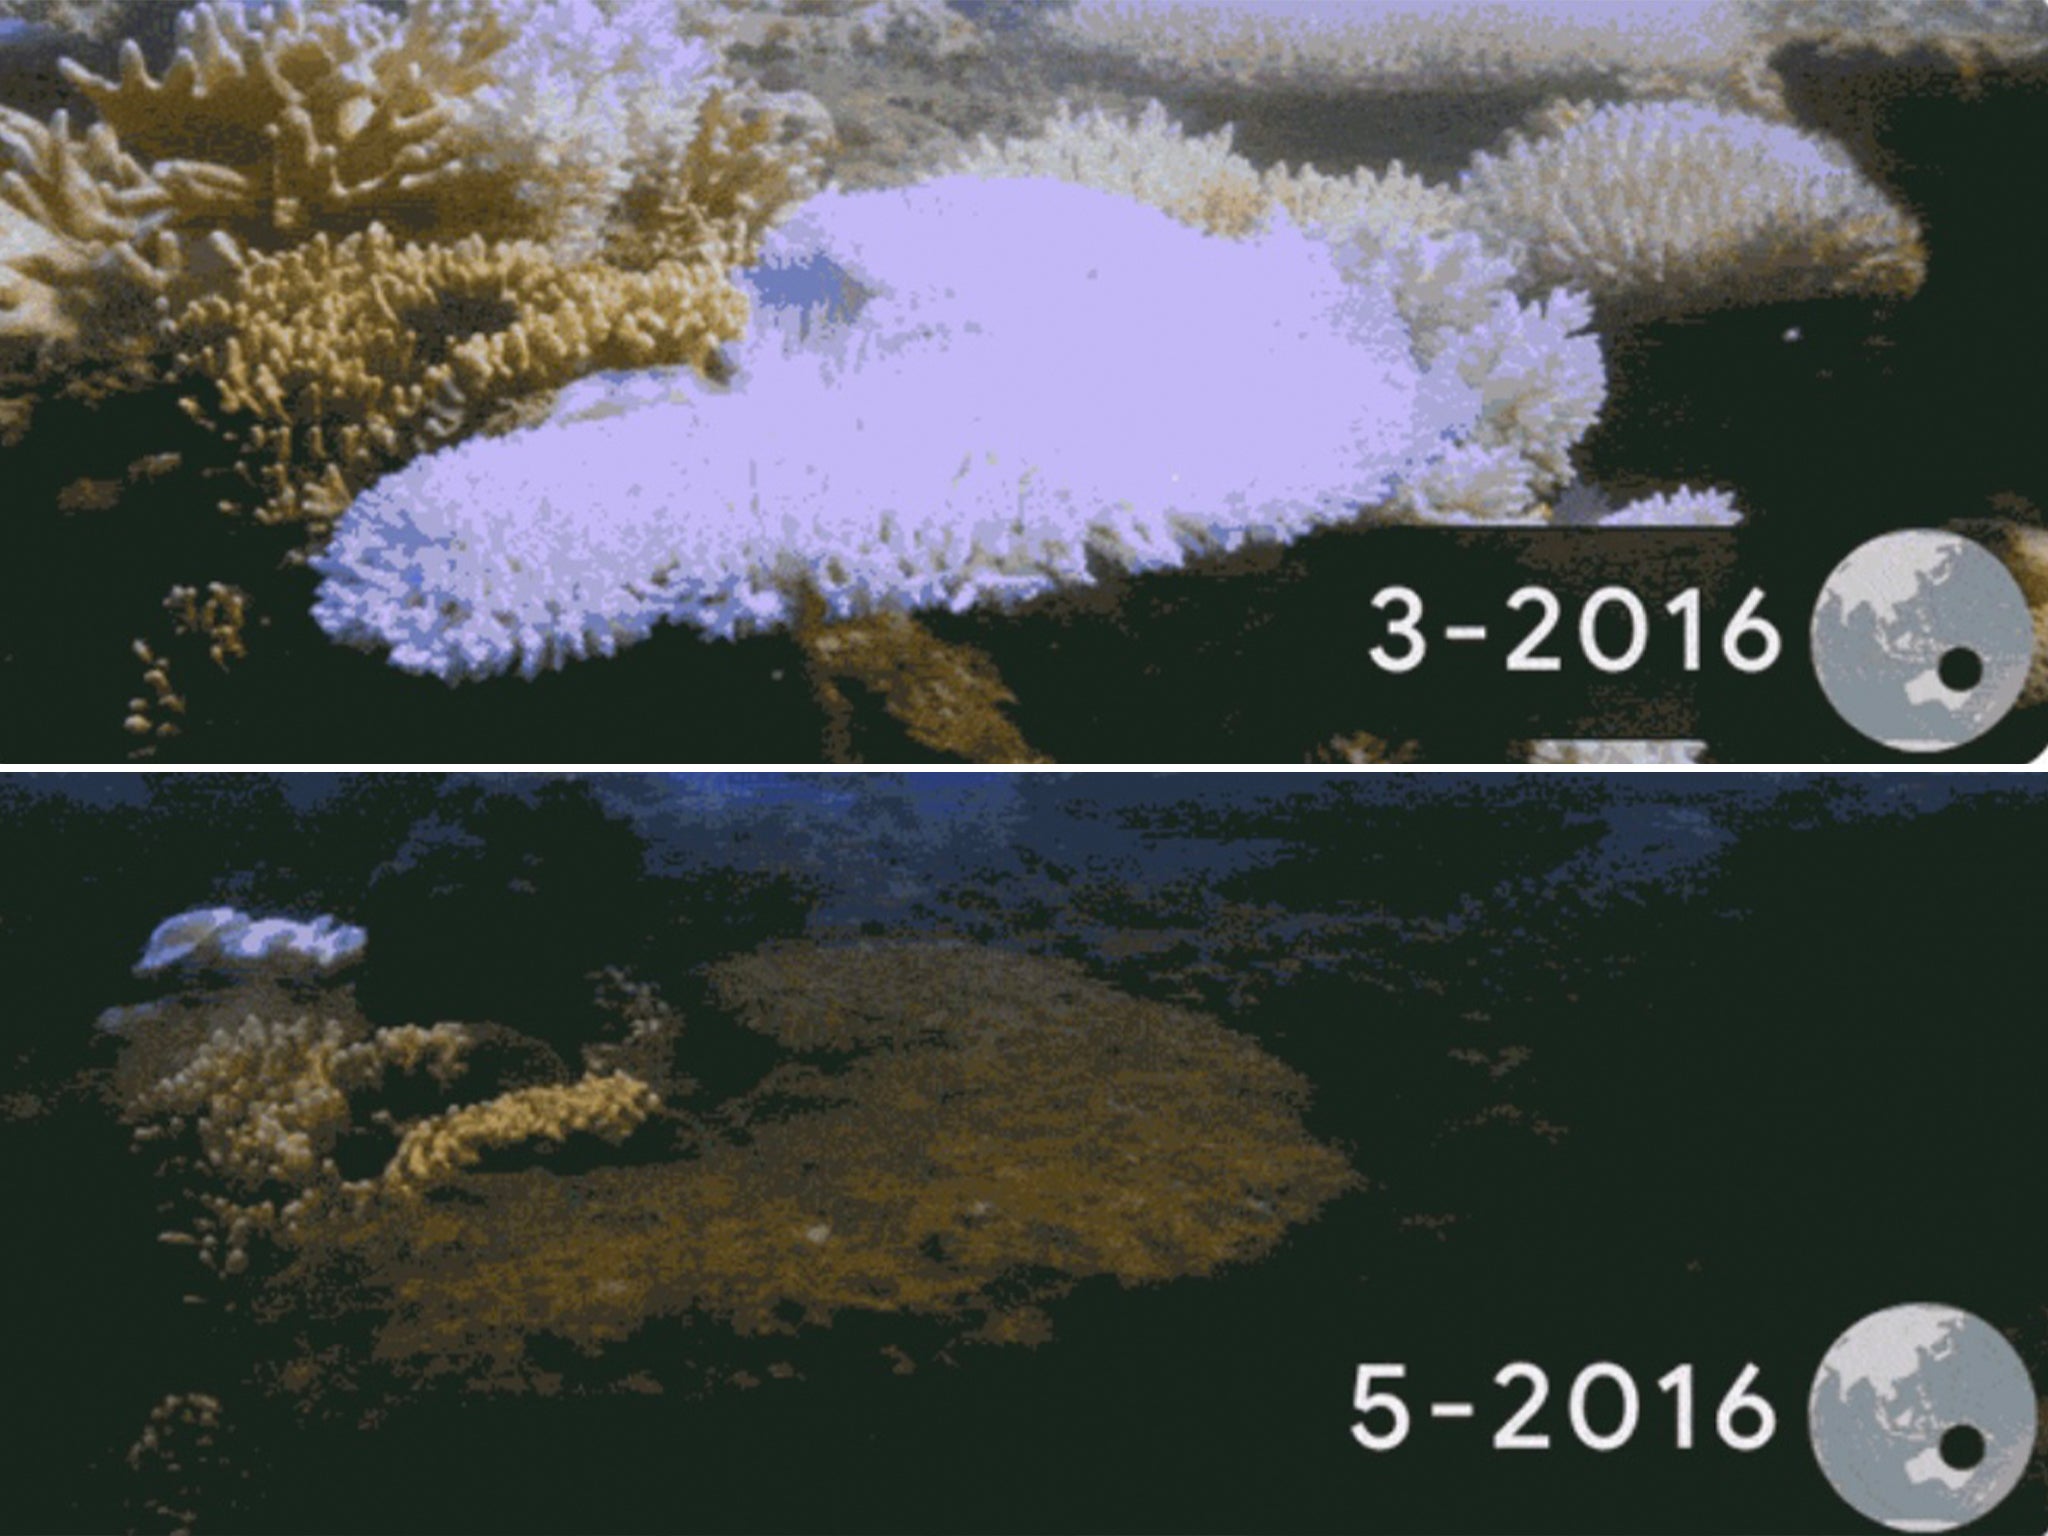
x=1923 y=1417
x=1922 y=640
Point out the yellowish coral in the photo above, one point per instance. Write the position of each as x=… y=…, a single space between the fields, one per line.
x=84 y=251
x=265 y=1100
x=612 y=1106
x=313 y=114
x=338 y=360
x=1203 y=182
x=2024 y=549
x=948 y=697
x=752 y=155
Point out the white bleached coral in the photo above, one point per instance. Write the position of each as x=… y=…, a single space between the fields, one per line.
x=1682 y=508
x=1353 y=45
x=223 y=937
x=1603 y=754
x=1670 y=208
x=963 y=392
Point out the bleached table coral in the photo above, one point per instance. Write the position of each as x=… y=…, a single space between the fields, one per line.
x=974 y=391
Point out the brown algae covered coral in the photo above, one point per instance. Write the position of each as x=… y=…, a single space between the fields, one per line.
x=957 y=1137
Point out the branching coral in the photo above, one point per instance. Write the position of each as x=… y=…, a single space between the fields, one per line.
x=1672 y=208
x=248 y=1114
x=85 y=248
x=587 y=130
x=611 y=1106
x=336 y=360
x=955 y=350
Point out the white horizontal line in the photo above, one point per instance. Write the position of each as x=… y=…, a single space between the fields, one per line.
x=1450 y=1410
x=1464 y=631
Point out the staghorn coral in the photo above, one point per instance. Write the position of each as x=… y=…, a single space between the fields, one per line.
x=612 y=1105
x=997 y=1127
x=336 y=360
x=1674 y=208
x=954 y=451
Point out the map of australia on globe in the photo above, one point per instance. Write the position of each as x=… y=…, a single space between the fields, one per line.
x=1889 y=615
x=1923 y=1417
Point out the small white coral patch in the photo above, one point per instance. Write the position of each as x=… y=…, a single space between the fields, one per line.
x=231 y=939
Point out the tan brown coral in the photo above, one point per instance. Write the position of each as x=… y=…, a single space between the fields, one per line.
x=341 y=359
x=305 y=116
x=948 y=697
x=83 y=248
x=752 y=155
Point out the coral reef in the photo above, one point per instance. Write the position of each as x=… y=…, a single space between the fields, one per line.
x=338 y=359
x=1672 y=208
x=953 y=453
